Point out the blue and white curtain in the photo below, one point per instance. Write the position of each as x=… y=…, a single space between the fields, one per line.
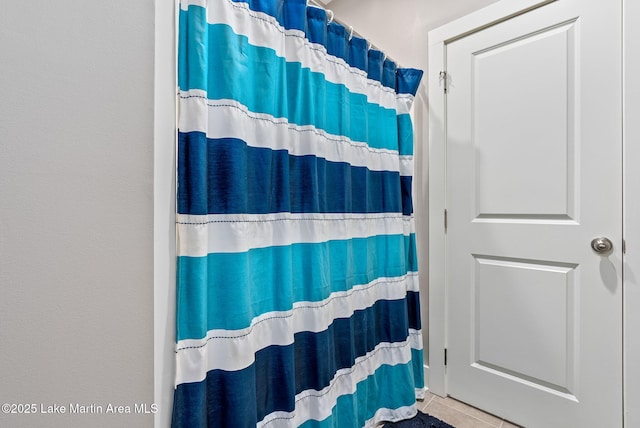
x=297 y=269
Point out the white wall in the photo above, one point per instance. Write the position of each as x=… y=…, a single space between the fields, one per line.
x=400 y=28
x=76 y=209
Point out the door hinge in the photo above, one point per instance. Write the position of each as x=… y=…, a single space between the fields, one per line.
x=624 y=246
x=445 y=356
x=443 y=78
x=446 y=219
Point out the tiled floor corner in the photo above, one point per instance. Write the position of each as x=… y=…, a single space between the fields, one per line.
x=459 y=414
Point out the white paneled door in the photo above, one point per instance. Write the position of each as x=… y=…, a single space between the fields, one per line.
x=534 y=175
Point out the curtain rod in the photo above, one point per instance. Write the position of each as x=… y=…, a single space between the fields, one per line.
x=351 y=30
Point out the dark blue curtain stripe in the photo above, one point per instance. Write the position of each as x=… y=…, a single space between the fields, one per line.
x=405 y=188
x=413 y=310
x=358 y=53
x=294 y=12
x=337 y=40
x=318 y=356
x=408 y=80
x=226 y=176
x=389 y=74
x=376 y=60
x=274 y=278
x=224 y=399
x=289 y=13
x=280 y=372
x=228 y=67
x=270 y=7
x=229 y=402
x=316 y=25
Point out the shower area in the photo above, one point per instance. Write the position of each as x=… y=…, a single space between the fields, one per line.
x=297 y=275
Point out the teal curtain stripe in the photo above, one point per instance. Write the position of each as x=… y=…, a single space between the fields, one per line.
x=386 y=388
x=213 y=58
x=405 y=135
x=417 y=358
x=411 y=252
x=193 y=49
x=273 y=278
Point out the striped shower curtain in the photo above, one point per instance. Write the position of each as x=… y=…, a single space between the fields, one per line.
x=297 y=284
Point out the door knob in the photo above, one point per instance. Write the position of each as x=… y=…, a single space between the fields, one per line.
x=602 y=245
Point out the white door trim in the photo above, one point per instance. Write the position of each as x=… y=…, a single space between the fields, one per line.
x=436 y=379
x=631 y=147
x=438 y=38
x=483 y=18
x=437 y=162
x=164 y=208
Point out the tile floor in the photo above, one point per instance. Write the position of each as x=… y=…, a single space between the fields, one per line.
x=459 y=414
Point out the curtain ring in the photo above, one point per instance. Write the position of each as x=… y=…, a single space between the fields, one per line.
x=350 y=32
x=331 y=18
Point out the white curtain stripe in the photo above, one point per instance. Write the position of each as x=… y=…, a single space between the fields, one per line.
x=392 y=415
x=202 y=235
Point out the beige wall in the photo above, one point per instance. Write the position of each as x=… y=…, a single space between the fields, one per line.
x=76 y=210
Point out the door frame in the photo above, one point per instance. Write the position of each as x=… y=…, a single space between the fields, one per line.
x=438 y=39
x=631 y=211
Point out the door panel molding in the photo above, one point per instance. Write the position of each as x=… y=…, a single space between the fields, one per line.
x=438 y=38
